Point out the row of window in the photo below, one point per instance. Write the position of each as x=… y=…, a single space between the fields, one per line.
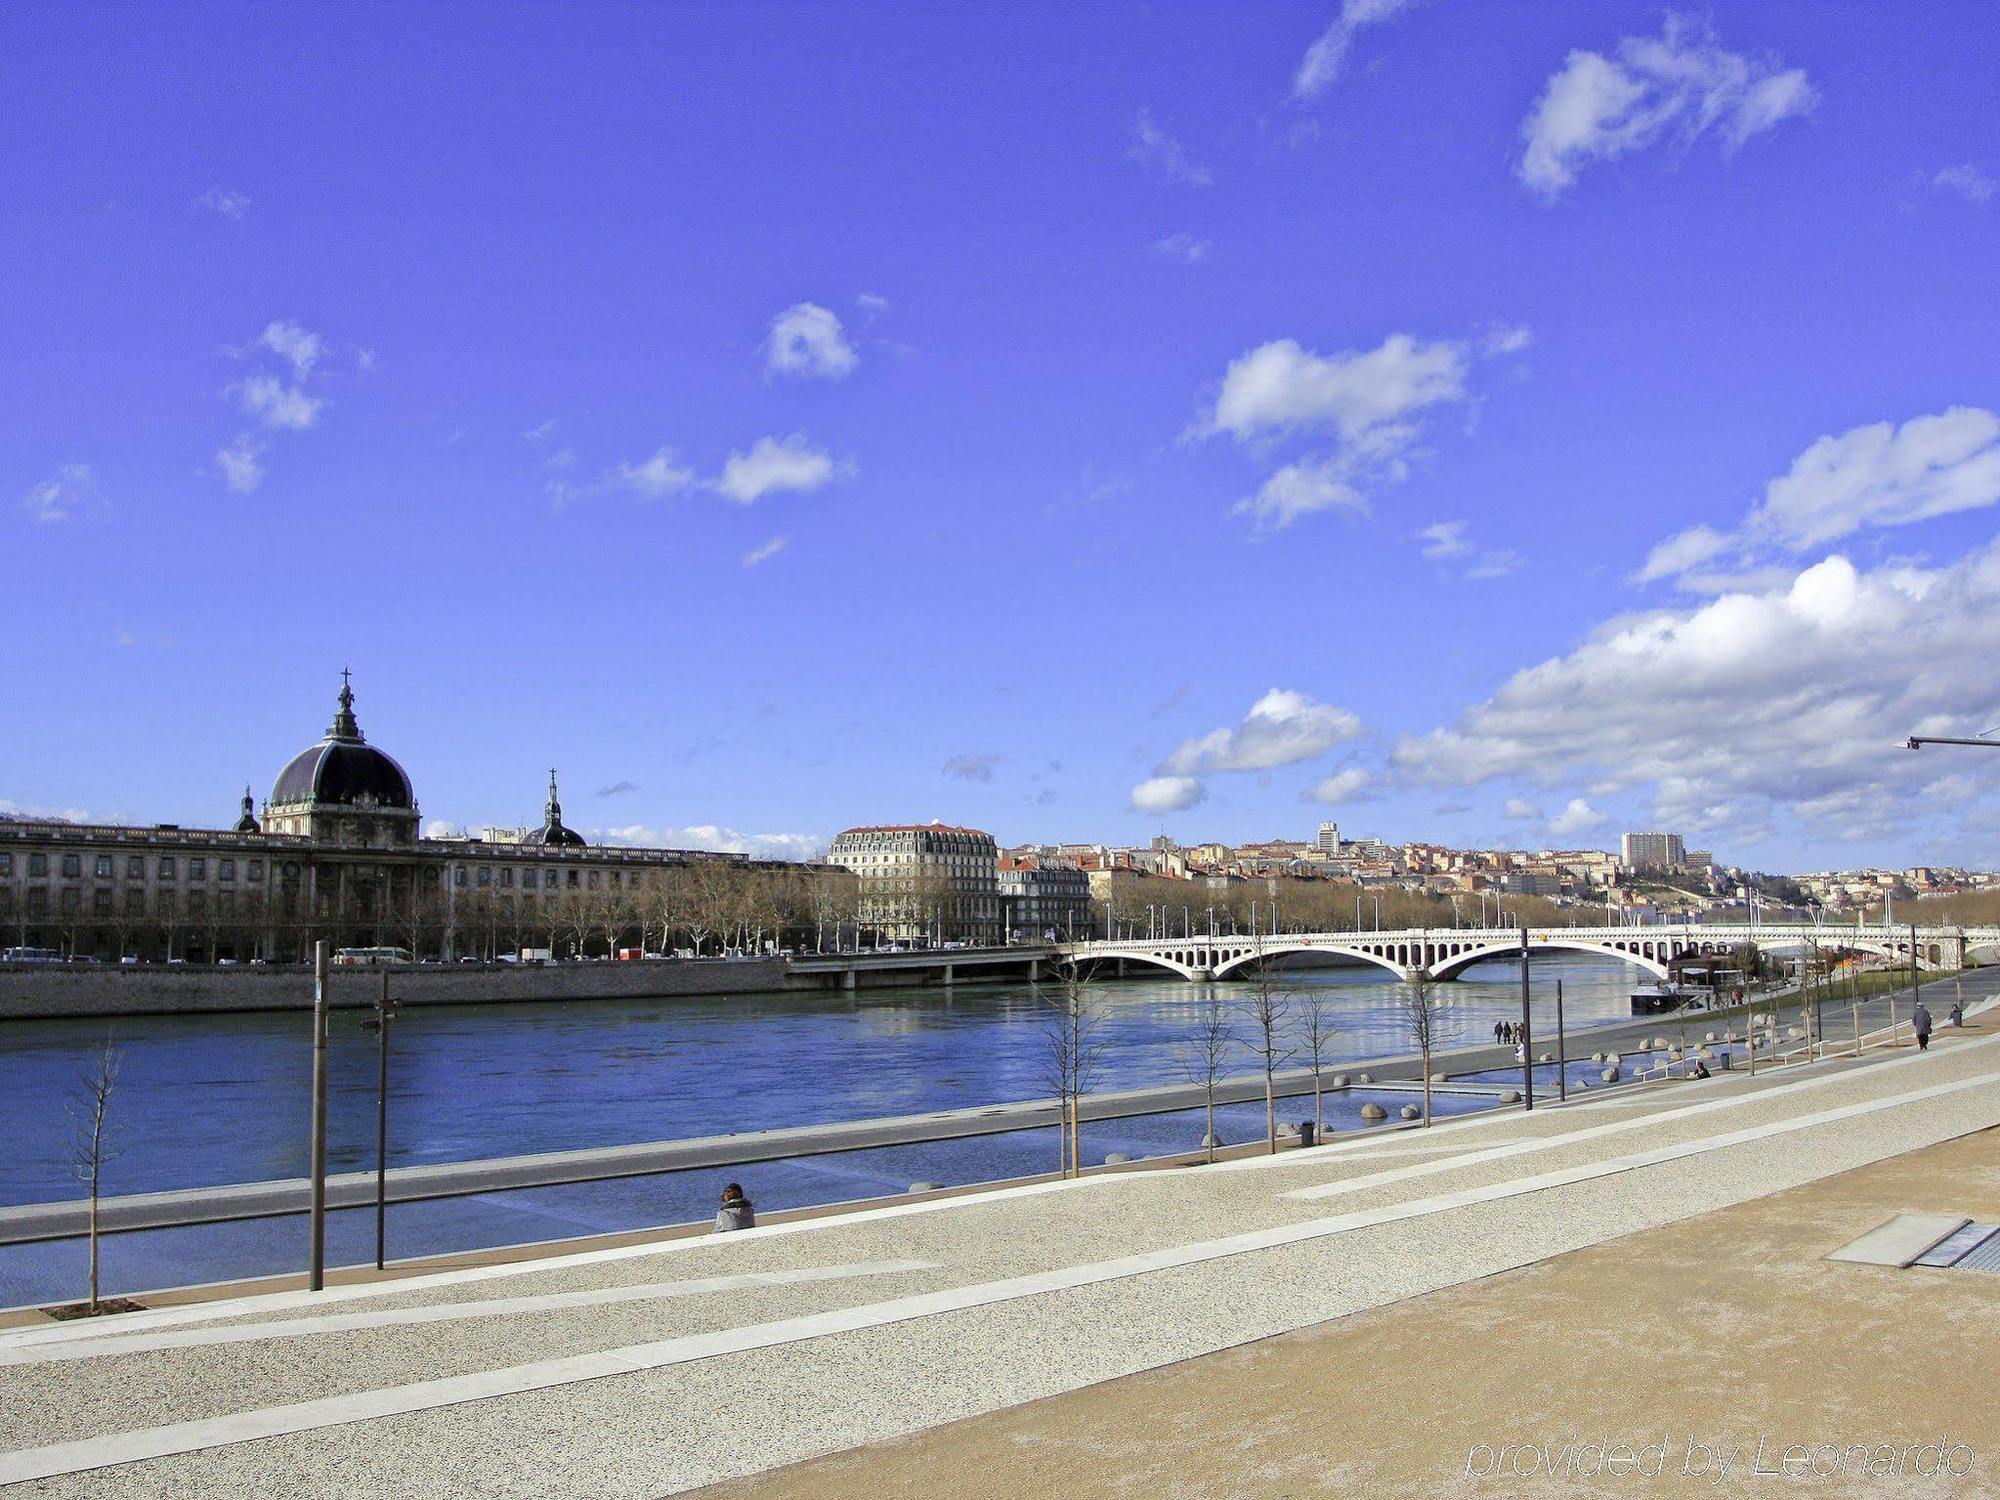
x=69 y=902
x=104 y=865
x=484 y=876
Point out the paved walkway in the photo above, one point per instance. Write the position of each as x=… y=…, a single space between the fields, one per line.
x=647 y=1369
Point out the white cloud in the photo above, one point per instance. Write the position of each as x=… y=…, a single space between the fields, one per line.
x=715 y=837
x=1182 y=246
x=1281 y=386
x=438 y=828
x=1966 y=180
x=298 y=346
x=1597 y=109
x=1873 y=476
x=1282 y=728
x=655 y=477
x=1511 y=339
x=807 y=339
x=1341 y=786
x=1791 y=700
x=764 y=552
x=58 y=497
x=1162 y=155
x=1371 y=402
x=241 y=463
x=276 y=404
x=1165 y=794
x=1322 y=62
x=220 y=201
x=1444 y=540
x=1522 y=810
x=1577 y=817
x=775 y=464
x=1300 y=489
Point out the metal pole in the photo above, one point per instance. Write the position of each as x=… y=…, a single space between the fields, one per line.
x=382 y=1121
x=1527 y=1030
x=1562 y=1052
x=316 y=1255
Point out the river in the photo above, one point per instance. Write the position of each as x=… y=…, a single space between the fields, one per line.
x=211 y=1099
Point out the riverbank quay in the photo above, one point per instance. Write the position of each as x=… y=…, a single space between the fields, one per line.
x=48 y=991
x=655 y=1368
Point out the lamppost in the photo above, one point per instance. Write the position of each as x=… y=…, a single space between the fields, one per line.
x=385 y=1012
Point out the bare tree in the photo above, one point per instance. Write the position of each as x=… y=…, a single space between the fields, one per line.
x=1266 y=1008
x=1073 y=1051
x=1316 y=1037
x=1205 y=1052
x=91 y=1143
x=1418 y=1001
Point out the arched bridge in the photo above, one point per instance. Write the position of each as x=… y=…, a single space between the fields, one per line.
x=1448 y=952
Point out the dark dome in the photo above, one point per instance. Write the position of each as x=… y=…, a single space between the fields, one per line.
x=553 y=832
x=335 y=771
x=567 y=838
x=343 y=768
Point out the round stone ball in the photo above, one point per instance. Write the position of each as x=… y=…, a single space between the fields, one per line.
x=1609 y=1075
x=1208 y=1141
x=1546 y=1057
x=923 y=1187
x=1116 y=1158
x=1412 y=1112
x=1373 y=1112
x=1340 y=1080
x=1512 y=1096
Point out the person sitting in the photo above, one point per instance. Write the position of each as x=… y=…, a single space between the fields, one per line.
x=1700 y=1069
x=735 y=1212
x=1957 y=1014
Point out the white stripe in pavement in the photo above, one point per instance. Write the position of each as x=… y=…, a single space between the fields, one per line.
x=1572 y=1137
x=444 y=1312
x=333 y=1411
x=1754 y=1094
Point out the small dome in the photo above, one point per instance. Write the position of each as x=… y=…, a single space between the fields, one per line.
x=343 y=768
x=553 y=832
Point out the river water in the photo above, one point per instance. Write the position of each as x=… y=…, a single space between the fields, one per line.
x=204 y=1100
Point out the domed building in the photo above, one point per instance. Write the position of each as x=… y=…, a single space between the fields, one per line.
x=338 y=855
x=344 y=790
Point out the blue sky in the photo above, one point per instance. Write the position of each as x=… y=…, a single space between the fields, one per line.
x=1483 y=422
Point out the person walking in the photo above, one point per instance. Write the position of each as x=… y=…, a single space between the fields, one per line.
x=735 y=1212
x=1920 y=1023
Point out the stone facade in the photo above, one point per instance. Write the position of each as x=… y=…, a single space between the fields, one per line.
x=924 y=882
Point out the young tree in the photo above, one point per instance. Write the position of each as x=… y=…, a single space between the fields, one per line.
x=91 y=1143
x=1420 y=1006
x=1205 y=1052
x=1073 y=1052
x=1266 y=1008
x=1316 y=1038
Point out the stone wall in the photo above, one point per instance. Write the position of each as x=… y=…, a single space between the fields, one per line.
x=34 y=991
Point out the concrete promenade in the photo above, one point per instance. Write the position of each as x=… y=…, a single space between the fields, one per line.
x=654 y=1368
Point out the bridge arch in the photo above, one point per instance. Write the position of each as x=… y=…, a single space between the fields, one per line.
x=1141 y=956
x=1456 y=965
x=1271 y=950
